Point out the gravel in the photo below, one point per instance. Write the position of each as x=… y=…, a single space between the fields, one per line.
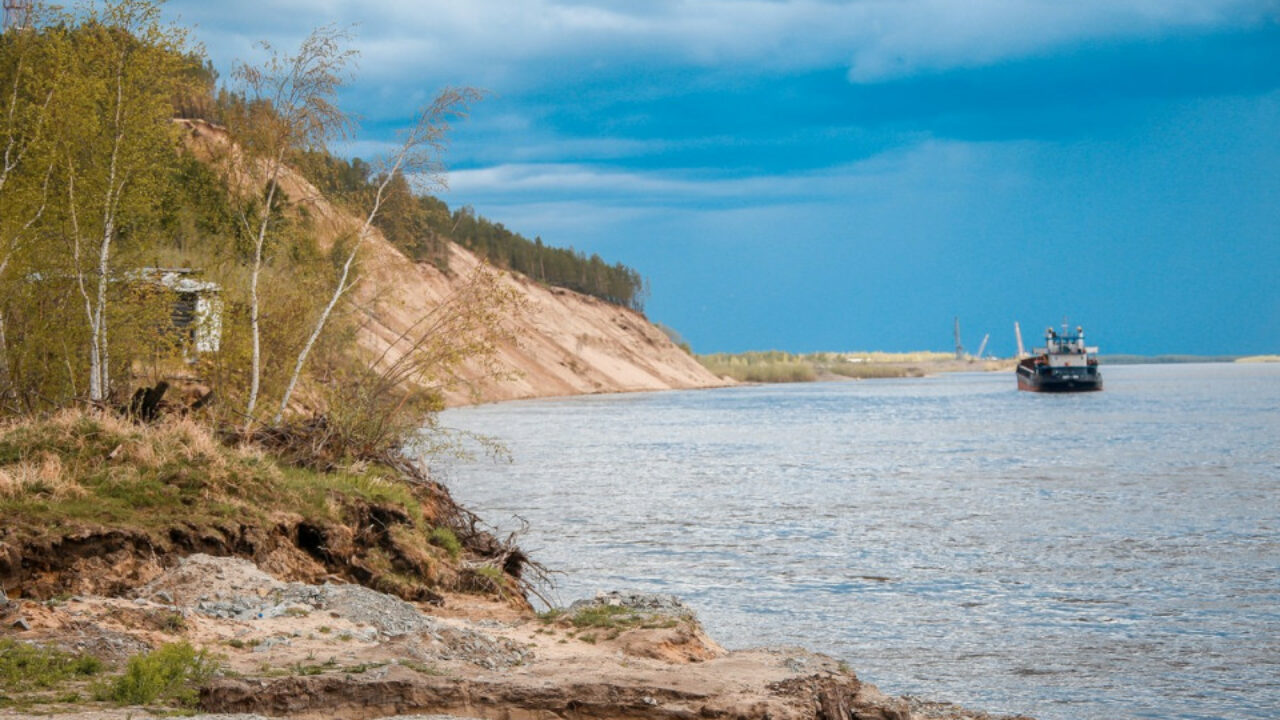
x=235 y=589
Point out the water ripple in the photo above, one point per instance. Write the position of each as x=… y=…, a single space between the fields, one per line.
x=1093 y=556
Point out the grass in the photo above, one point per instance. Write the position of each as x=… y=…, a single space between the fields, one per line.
x=1259 y=359
x=80 y=471
x=766 y=367
x=171 y=675
x=423 y=668
x=614 y=617
x=868 y=371
x=444 y=538
x=775 y=366
x=24 y=668
x=97 y=468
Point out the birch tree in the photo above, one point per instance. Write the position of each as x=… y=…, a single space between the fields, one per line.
x=28 y=81
x=115 y=136
x=418 y=158
x=288 y=105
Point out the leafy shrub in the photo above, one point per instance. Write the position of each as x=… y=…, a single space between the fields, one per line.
x=172 y=673
x=31 y=667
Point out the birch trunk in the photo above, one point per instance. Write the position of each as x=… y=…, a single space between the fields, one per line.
x=255 y=377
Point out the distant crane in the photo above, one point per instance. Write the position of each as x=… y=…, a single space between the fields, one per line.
x=983 y=347
x=959 y=347
x=17 y=14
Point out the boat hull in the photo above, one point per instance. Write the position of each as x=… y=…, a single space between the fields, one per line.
x=1049 y=380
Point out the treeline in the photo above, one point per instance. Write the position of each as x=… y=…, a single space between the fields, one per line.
x=421 y=225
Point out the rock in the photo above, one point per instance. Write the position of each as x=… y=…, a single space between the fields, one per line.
x=163 y=597
x=21 y=624
x=648 y=602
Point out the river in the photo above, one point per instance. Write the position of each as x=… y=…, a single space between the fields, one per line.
x=1102 y=555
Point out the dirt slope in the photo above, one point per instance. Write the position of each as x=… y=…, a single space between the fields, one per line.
x=571 y=343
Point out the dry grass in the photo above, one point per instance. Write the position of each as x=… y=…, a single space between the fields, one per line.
x=765 y=367
x=102 y=468
x=1259 y=359
x=43 y=475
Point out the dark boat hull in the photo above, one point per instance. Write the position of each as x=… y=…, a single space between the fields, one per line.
x=1049 y=380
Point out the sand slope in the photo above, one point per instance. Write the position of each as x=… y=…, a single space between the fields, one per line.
x=570 y=343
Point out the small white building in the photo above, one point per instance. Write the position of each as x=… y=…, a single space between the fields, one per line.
x=198 y=308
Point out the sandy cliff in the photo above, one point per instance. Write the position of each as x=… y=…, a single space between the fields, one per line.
x=570 y=343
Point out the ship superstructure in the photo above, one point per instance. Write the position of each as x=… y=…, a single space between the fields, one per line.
x=1064 y=364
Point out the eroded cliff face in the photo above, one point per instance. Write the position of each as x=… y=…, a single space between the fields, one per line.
x=569 y=343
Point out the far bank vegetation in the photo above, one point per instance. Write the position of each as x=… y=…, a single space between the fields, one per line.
x=774 y=366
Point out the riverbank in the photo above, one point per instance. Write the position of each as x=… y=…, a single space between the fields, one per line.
x=151 y=569
x=339 y=650
x=776 y=366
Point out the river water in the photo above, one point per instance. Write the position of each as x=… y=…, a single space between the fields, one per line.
x=1103 y=555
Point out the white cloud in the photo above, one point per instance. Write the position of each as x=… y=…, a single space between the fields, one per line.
x=925 y=166
x=493 y=42
x=928 y=35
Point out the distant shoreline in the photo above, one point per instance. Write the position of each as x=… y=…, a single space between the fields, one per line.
x=1180 y=359
x=775 y=366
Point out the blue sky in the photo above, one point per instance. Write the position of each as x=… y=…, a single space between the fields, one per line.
x=821 y=175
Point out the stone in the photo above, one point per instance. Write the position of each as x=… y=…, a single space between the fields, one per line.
x=21 y=624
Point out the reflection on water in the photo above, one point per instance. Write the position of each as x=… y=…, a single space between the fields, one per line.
x=1100 y=555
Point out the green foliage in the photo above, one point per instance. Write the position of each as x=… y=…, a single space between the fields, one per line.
x=445 y=539
x=25 y=667
x=94 y=192
x=421 y=226
x=559 y=267
x=101 y=469
x=617 y=617
x=550 y=615
x=171 y=674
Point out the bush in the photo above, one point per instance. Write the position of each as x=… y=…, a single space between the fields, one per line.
x=172 y=673
x=30 y=667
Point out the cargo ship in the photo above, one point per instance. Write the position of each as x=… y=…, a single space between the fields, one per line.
x=1064 y=364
